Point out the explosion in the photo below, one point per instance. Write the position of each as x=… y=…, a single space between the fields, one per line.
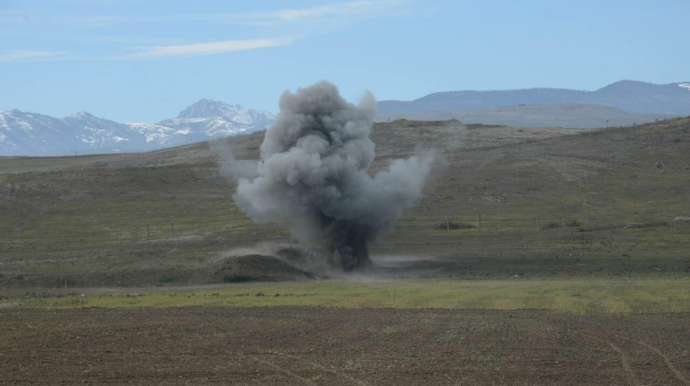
x=313 y=176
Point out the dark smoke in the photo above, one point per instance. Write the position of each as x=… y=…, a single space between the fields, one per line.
x=314 y=175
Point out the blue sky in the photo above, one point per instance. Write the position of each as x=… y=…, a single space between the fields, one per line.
x=145 y=60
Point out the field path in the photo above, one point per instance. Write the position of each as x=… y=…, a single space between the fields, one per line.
x=282 y=370
x=331 y=370
x=626 y=364
x=625 y=358
x=668 y=362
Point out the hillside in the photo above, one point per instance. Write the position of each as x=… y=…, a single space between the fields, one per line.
x=501 y=202
x=580 y=116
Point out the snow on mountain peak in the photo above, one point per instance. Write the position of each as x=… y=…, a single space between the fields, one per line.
x=82 y=114
x=207 y=108
x=684 y=85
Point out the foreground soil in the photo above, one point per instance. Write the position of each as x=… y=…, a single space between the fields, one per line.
x=324 y=346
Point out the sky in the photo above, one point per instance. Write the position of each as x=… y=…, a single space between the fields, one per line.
x=146 y=60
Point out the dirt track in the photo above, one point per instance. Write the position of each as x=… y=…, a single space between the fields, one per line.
x=321 y=346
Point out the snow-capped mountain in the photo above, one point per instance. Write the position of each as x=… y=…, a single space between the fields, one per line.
x=23 y=133
x=213 y=119
x=207 y=108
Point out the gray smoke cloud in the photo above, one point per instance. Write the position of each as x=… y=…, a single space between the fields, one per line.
x=313 y=175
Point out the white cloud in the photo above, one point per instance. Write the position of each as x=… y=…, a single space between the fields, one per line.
x=328 y=12
x=351 y=9
x=17 y=55
x=362 y=8
x=200 y=49
x=295 y=23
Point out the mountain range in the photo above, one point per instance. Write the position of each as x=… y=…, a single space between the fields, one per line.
x=24 y=133
x=618 y=104
x=671 y=99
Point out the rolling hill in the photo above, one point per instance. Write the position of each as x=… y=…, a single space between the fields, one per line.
x=501 y=201
x=621 y=103
x=579 y=116
x=631 y=96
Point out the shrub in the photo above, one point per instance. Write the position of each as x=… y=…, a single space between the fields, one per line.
x=551 y=225
x=445 y=225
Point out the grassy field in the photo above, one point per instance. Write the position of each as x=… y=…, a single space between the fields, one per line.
x=577 y=296
x=24 y=164
x=537 y=203
x=535 y=257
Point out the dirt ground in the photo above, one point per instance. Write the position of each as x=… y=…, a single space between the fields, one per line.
x=324 y=346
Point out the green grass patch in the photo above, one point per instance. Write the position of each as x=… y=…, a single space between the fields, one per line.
x=595 y=296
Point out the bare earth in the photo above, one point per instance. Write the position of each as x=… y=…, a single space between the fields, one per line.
x=323 y=346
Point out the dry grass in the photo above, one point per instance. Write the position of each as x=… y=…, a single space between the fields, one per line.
x=161 y=218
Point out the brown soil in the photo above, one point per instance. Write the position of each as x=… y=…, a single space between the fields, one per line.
x=322 y=346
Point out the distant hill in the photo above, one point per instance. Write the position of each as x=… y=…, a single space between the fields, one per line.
x=31 y=134
x=578 y=116
x=631 y=96
x=619 y=104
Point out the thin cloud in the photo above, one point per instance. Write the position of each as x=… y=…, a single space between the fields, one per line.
x=297 y=23
x=201 y=49
x=19 y=55
x=351 y=9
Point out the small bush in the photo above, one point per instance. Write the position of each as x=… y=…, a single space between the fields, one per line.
x=551 y=225
x=453 y=225
x=681 y=220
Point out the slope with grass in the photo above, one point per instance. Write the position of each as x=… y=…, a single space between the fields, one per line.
x=500 y=202
x=581 y=116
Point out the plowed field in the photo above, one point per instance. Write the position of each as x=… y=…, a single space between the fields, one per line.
x=324 y=346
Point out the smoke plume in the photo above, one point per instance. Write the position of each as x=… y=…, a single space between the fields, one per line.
x=313 y=175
